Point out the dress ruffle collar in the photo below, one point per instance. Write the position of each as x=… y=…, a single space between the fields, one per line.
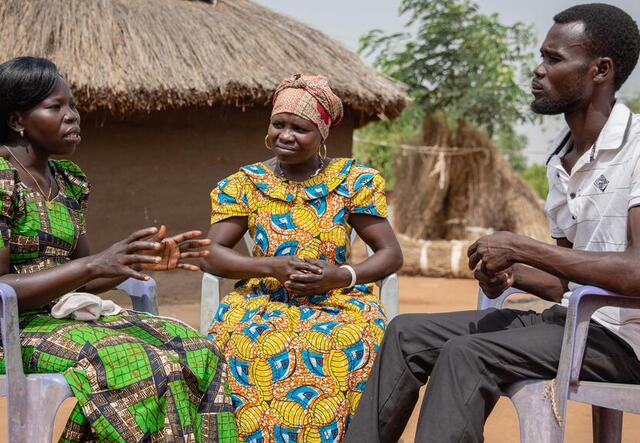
x=333 y=177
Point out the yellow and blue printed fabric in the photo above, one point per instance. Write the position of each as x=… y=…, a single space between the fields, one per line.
x=298 y=365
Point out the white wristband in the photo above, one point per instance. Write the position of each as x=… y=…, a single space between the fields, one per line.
x=353 y=275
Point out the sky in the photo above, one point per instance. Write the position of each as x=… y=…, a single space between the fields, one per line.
x=347 y=20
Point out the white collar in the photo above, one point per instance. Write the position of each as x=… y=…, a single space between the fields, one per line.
x=613 y=135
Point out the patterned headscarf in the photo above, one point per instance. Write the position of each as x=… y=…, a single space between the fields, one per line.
x=309 y=97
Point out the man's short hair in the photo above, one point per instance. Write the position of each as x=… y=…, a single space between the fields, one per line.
x=611 y=32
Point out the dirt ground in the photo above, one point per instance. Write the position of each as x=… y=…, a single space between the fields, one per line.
x=179 y=297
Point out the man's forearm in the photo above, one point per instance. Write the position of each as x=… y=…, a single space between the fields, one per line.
x=539 y=283
x=615 y=271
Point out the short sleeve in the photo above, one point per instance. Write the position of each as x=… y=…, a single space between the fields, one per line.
x=77 y=188
x=634 y=191
x=369 y=194
x=229 y=199
x=552 y=206
x=556 y=232
x=7 y=199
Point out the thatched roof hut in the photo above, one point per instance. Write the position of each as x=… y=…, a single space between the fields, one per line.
x=128 y=56
x=175 y=94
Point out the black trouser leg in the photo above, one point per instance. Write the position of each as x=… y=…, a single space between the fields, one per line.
x=468 y=356
x=409 y=350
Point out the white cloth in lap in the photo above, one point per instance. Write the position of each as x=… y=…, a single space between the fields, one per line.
x=83 y=306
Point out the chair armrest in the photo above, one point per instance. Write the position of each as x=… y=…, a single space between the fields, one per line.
x=388 y=286
x=16 y=382
x=143 y=293
x=583 y=302
x=485 y=302
x=11 y=333
x=209 y=300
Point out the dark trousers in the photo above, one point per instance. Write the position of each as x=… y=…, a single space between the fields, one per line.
x=467 y=357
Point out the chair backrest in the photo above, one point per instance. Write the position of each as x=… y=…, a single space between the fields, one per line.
x=249 y=242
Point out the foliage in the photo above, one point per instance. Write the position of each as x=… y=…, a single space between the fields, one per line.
x=390 y=134
x=458 y=60
x=512 y=144
x=536 y=176
x=634 y=104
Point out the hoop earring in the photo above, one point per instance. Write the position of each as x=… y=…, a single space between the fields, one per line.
x=266 y=142
x=322 y=150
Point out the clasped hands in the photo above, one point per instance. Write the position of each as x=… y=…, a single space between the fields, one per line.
x=306 y=277
x=492 y=258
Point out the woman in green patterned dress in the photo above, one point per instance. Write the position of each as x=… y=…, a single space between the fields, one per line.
x=136 y=377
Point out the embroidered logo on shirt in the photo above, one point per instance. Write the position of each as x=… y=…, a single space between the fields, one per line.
x=601 y=183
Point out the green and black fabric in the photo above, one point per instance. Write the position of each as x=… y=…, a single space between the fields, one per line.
x=40 y=233
x=137 y=377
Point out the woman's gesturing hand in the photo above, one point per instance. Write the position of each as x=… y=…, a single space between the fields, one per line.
x=302 y=284
x=124 y=258
x=173 y=250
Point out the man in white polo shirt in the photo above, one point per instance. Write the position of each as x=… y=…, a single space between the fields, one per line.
x=594 y=212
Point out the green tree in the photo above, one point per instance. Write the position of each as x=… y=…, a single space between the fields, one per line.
x=634 y=104
x=377 y=143
x=460 y=61
x=512 y=144
x=536 y=176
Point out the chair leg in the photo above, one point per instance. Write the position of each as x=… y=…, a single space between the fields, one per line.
x=607 y=425
x=45 y=398
x=535 y=414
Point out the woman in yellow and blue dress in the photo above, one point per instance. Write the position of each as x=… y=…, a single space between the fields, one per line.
x=302 y=327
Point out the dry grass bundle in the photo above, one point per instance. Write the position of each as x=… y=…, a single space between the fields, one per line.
x=458 y=190
x=124 y=56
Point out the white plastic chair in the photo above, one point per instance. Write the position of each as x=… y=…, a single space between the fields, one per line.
x=210 y=290
x=34 y=399
x=531 y=398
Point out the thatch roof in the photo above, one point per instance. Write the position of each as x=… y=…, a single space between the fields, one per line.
x=141 y=55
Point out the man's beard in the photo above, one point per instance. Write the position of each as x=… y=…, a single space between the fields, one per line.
x=572 y=96
x=548 y=107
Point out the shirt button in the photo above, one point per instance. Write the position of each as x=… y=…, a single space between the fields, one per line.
x=558 y=174
x=572 y=195
x=573 y=217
